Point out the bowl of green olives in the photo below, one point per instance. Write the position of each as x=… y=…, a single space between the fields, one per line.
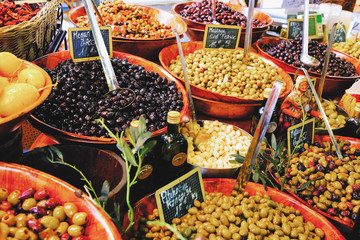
x=221 y=75
x=226 y=214
x=29 y=196
x=336 y=116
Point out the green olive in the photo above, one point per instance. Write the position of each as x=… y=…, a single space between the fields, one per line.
x=75 y=230
x=59 y=213
x=22 y=233
x=80 y=218
x=70 y=209
x=29 y=203
x=50 y=222
x=13 y=197
x=3 y=194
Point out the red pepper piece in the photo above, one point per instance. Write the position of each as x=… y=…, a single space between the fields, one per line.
x=80 y=237
x=28 y=193
x=65 y=236
x=5 y=205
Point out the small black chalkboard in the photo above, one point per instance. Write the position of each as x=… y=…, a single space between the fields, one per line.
x=174 y=199
x=340 y=34
x=82 y=43
x=295 y=27
x=295 y=132
x=220 y=36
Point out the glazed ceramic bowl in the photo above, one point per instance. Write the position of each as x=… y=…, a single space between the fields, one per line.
x=96 y=164
x=11 y=123
x=171 y=52
x=333 y=84
x=150 y=48
x=146 y=205
x=52 y=60
x=19 y=177
x=345 y=227
x=244 y=10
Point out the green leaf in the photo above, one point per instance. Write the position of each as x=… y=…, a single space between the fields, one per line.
x=263 y=181
x=129 y=155
x=104 y=193
x=130 y=135
x=305 y=185
x=58 y=154
x=142 y=125
x=255 y=177
x=142 y=139
x=148 y=146
x=280 y=149
x=135 y=134
x=273 y=142
x=265 y=156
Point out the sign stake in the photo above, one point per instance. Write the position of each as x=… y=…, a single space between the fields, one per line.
x=318 y=102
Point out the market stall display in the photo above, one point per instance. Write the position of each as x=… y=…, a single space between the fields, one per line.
x=36 y=192
x=138 y=30
x=73 y=100
x=351 y=47
x=20 y=92
x=217 y=187
x=198 y=14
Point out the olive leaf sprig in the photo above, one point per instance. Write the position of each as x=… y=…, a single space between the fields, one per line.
x=138 y=138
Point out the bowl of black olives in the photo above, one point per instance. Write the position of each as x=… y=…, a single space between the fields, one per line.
x=342 y=71
x=82 y=96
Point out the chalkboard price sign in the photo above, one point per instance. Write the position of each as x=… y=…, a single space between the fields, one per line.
x=298 y=135
x=174 y=199
x=220 y=36
x=295 y=28
x=340 y=34
x=82 y=43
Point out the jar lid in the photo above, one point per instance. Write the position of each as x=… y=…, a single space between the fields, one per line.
x=173 y=117
x=134 y=124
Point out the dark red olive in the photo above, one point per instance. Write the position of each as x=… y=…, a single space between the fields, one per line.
x=40 y=195
x=331 y=211
x=38 y=211
x=81 y=237
x=52 y=203
x=65 y=236
x=28 y=193
x=34 y=224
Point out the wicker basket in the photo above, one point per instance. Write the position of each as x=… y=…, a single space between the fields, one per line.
x=19 y=39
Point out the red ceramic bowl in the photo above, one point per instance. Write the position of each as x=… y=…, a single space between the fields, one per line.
x=147 y=48
x=340 y=224
x=19 y=177
x=11 y=123
x=51 y=61
x=333 y=84
x=244 y=10
x=146 y=205
x=171 y=52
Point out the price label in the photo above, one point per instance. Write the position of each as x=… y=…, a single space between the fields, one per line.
x=300 y=134
x=221 y=36
x=295 y=28
x=82 y=43
x=174 y=199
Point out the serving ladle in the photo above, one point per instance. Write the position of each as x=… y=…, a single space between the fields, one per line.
x=305 y=57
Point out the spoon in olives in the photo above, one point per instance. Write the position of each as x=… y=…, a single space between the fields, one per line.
x=305 y=57
x=213 y=6
x=114 y=89
x=200 y=138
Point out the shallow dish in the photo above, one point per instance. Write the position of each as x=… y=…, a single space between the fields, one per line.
x=171 y=52
x=52 y=60
x=19 y=177
x=244 y=10
x=146 y=205
x=141 y=47
x=11 y=123
x=332 y=85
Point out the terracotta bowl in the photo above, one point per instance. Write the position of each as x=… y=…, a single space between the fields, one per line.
x=244 y=10
x=146 y=205
x=333 y=84
x=11 y=123
x=96 y=164
x=19 y=177
x=171 y=52
x=198 y=35
x=226 y=110
x=51 y=61
x=340 y=224
x=144 y=48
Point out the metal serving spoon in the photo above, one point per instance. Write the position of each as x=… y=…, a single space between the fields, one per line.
x=305 y=57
